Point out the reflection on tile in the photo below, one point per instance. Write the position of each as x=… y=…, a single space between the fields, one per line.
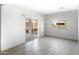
x=46 y=46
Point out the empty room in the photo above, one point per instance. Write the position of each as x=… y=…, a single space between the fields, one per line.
x=42 y=29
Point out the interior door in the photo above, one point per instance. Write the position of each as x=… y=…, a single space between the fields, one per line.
x=31 y=29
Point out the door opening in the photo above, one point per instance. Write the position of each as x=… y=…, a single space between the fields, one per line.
x=31 y=29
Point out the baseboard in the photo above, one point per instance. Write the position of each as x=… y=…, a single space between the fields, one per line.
x=12 y=47
x=58 y=37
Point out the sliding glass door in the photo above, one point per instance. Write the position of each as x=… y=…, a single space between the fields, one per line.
x=31 y=29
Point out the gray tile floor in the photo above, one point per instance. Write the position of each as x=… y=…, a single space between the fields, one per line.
x=46 y=46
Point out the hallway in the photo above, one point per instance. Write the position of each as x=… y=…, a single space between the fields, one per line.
x=46 y=46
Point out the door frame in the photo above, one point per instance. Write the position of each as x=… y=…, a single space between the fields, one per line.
x=38 y=27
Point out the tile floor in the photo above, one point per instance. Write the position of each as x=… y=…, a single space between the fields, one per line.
x=46 y=46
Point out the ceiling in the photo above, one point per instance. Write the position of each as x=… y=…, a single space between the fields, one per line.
x=48 y=6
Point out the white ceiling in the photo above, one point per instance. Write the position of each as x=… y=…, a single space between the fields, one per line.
x=48 y=6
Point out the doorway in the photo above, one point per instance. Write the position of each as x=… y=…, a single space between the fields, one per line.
x=31 y=29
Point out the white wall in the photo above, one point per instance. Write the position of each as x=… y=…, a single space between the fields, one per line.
x=12 y=25
x=71 y=32
x=0 y=27
x=78 y=25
